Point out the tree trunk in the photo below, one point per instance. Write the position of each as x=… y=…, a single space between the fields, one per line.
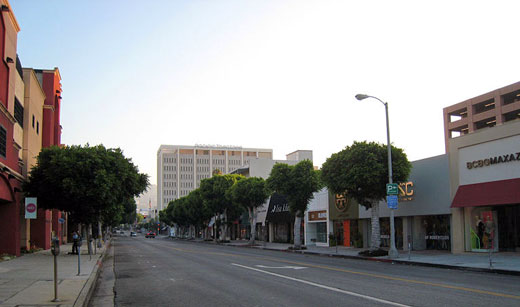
x=100 y=234
x=89 y=241
x=375 y=239
x=224 y=233
x=252 y=221
x=215 y=230
x=297 y=234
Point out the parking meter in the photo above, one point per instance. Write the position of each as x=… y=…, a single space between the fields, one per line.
x=55 y=247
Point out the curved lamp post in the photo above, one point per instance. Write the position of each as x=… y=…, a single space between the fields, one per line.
x=393 y=253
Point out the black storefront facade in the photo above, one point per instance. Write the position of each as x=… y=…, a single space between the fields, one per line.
x=279 y=220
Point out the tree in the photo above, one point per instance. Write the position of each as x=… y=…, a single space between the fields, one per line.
x=216 y=196
x=90 y=183
x=297 y=183
x=361 y=172
x=250 y=193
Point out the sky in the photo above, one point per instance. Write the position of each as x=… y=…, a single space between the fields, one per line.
x=266 y=74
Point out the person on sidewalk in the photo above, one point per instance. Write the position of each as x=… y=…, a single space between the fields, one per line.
x=75 y=239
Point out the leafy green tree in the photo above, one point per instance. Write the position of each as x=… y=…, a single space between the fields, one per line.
x=139 y=218
x=361 y=172
x=250 y=193
x=197 y=213
x=90 y=183
x=216 y=196
x=297 y=183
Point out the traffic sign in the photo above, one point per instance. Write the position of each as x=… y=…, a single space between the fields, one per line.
x=392 y=189
x=391 y=200
x=61 y=220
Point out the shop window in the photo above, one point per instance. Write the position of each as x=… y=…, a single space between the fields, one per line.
x=437 y=232
x=484 y=235
x=321 y=232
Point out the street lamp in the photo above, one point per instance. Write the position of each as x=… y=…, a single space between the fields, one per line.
x=393 y=253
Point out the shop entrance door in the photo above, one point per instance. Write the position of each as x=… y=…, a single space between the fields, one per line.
x=346 y=233
x=508 y=228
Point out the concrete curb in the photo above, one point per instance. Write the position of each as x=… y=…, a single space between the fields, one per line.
x=415 y=263
x=89 y=287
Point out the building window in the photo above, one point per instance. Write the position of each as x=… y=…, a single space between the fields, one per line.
x=3 y=141
x=33 y=121
x=18 y=112
x=37 y=127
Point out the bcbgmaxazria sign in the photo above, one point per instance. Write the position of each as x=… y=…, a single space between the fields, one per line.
x=490 y=161
x=494 y=160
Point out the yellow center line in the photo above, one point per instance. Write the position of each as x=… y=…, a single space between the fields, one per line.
x=412 y=281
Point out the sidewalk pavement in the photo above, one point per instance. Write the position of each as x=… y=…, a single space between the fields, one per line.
x=28 y=280
x=502 y=262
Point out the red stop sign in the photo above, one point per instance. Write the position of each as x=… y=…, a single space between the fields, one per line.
x=31 y=208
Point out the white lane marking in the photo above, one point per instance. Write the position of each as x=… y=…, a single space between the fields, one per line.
x=281 y=267
x=153 y=266
x=172 y=279
x=324 y=287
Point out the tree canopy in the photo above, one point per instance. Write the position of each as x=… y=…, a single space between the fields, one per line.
x=361 y=170
x=297 y=183
x=90 y=183
x=250 y=193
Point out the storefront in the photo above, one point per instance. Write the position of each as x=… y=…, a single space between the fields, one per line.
x=279 y=220
x=317 y=225
x=422 y=219
x=485 y=173
x=347 y=228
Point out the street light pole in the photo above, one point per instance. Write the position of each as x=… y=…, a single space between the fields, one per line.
x=393 y=253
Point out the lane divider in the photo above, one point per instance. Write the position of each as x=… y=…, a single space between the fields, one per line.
x=387 y=277
x=370 y=298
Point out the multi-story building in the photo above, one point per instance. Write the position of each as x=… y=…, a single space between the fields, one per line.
x=484 y=111
x=50 y=132
x=10 y=141
x=181 y=168
x=32 y=136
x=483 y=145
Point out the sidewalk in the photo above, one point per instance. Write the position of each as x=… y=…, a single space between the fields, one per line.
x=29 y=279
x=502 y=262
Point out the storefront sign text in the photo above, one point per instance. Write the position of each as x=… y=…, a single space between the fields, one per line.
x=406 y=191
x=494 y=160
x=280 y=208
x=317 y=215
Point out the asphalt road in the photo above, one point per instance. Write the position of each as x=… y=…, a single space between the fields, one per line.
x=164 y=272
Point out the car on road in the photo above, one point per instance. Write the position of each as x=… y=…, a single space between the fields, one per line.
x=150 y=234
x=133 y=234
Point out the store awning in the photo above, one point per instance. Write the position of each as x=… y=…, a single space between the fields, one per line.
x=494 y=193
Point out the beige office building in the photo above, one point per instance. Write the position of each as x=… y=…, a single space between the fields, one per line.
x=180 y=168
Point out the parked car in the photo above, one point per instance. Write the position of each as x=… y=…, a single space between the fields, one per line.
x=133 y=234
x=150 y=234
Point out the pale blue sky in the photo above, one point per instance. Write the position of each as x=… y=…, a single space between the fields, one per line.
x=271 y=74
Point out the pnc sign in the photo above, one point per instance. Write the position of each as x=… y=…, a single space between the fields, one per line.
x=30 y=207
